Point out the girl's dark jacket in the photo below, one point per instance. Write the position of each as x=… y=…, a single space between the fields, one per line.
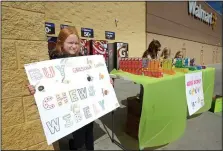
x=55 y=55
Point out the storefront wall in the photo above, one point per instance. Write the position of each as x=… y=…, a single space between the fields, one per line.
x=24 y=41
x=171 y=24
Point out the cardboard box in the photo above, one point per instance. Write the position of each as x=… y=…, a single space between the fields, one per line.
x=216 y=104
x=134 y=109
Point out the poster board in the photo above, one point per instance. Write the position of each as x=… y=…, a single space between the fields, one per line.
x=194 y=92
x=70 y=93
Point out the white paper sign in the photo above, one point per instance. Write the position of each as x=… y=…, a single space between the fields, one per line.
x=194 y=91
x=71 y=93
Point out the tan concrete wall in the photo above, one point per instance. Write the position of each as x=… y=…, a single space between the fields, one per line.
x=24 y=41
x=193 y=49
x=101 y=17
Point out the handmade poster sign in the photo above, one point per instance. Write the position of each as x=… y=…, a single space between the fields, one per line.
x=71 y=93
x=194 y=92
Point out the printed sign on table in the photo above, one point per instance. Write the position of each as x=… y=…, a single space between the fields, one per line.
x=70 y=93
x=194 y=91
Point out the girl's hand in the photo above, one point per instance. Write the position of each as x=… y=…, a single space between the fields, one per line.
x=111 y=81
x=31 y=89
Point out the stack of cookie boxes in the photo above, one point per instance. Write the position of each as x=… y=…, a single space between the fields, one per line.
x=131 y=65
x=152 y=68
x=141 y=66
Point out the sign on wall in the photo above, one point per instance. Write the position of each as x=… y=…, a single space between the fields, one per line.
x=87 y=32
x=109 y=35
x=49 y=28
x=194 y=92
x=71 y=93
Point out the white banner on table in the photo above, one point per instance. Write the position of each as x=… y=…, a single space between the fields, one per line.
x=71 y=93
x=194 y=91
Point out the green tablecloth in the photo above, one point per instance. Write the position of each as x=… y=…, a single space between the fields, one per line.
x=164 y=111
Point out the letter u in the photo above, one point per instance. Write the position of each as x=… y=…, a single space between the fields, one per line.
x=49 y=72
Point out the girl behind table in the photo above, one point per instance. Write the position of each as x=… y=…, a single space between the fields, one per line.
x=165 y=54
x=179 y=54
x=151 y=53
x=68 y=45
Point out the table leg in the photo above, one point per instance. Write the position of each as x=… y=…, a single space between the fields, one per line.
x=112 y=129
x=112 y=137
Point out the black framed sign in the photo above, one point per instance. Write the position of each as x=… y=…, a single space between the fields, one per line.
x=110 y=35
x=62 y=26
x=50 y=28
x=87 y=32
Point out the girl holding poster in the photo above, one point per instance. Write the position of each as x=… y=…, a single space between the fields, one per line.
x=68 y=45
